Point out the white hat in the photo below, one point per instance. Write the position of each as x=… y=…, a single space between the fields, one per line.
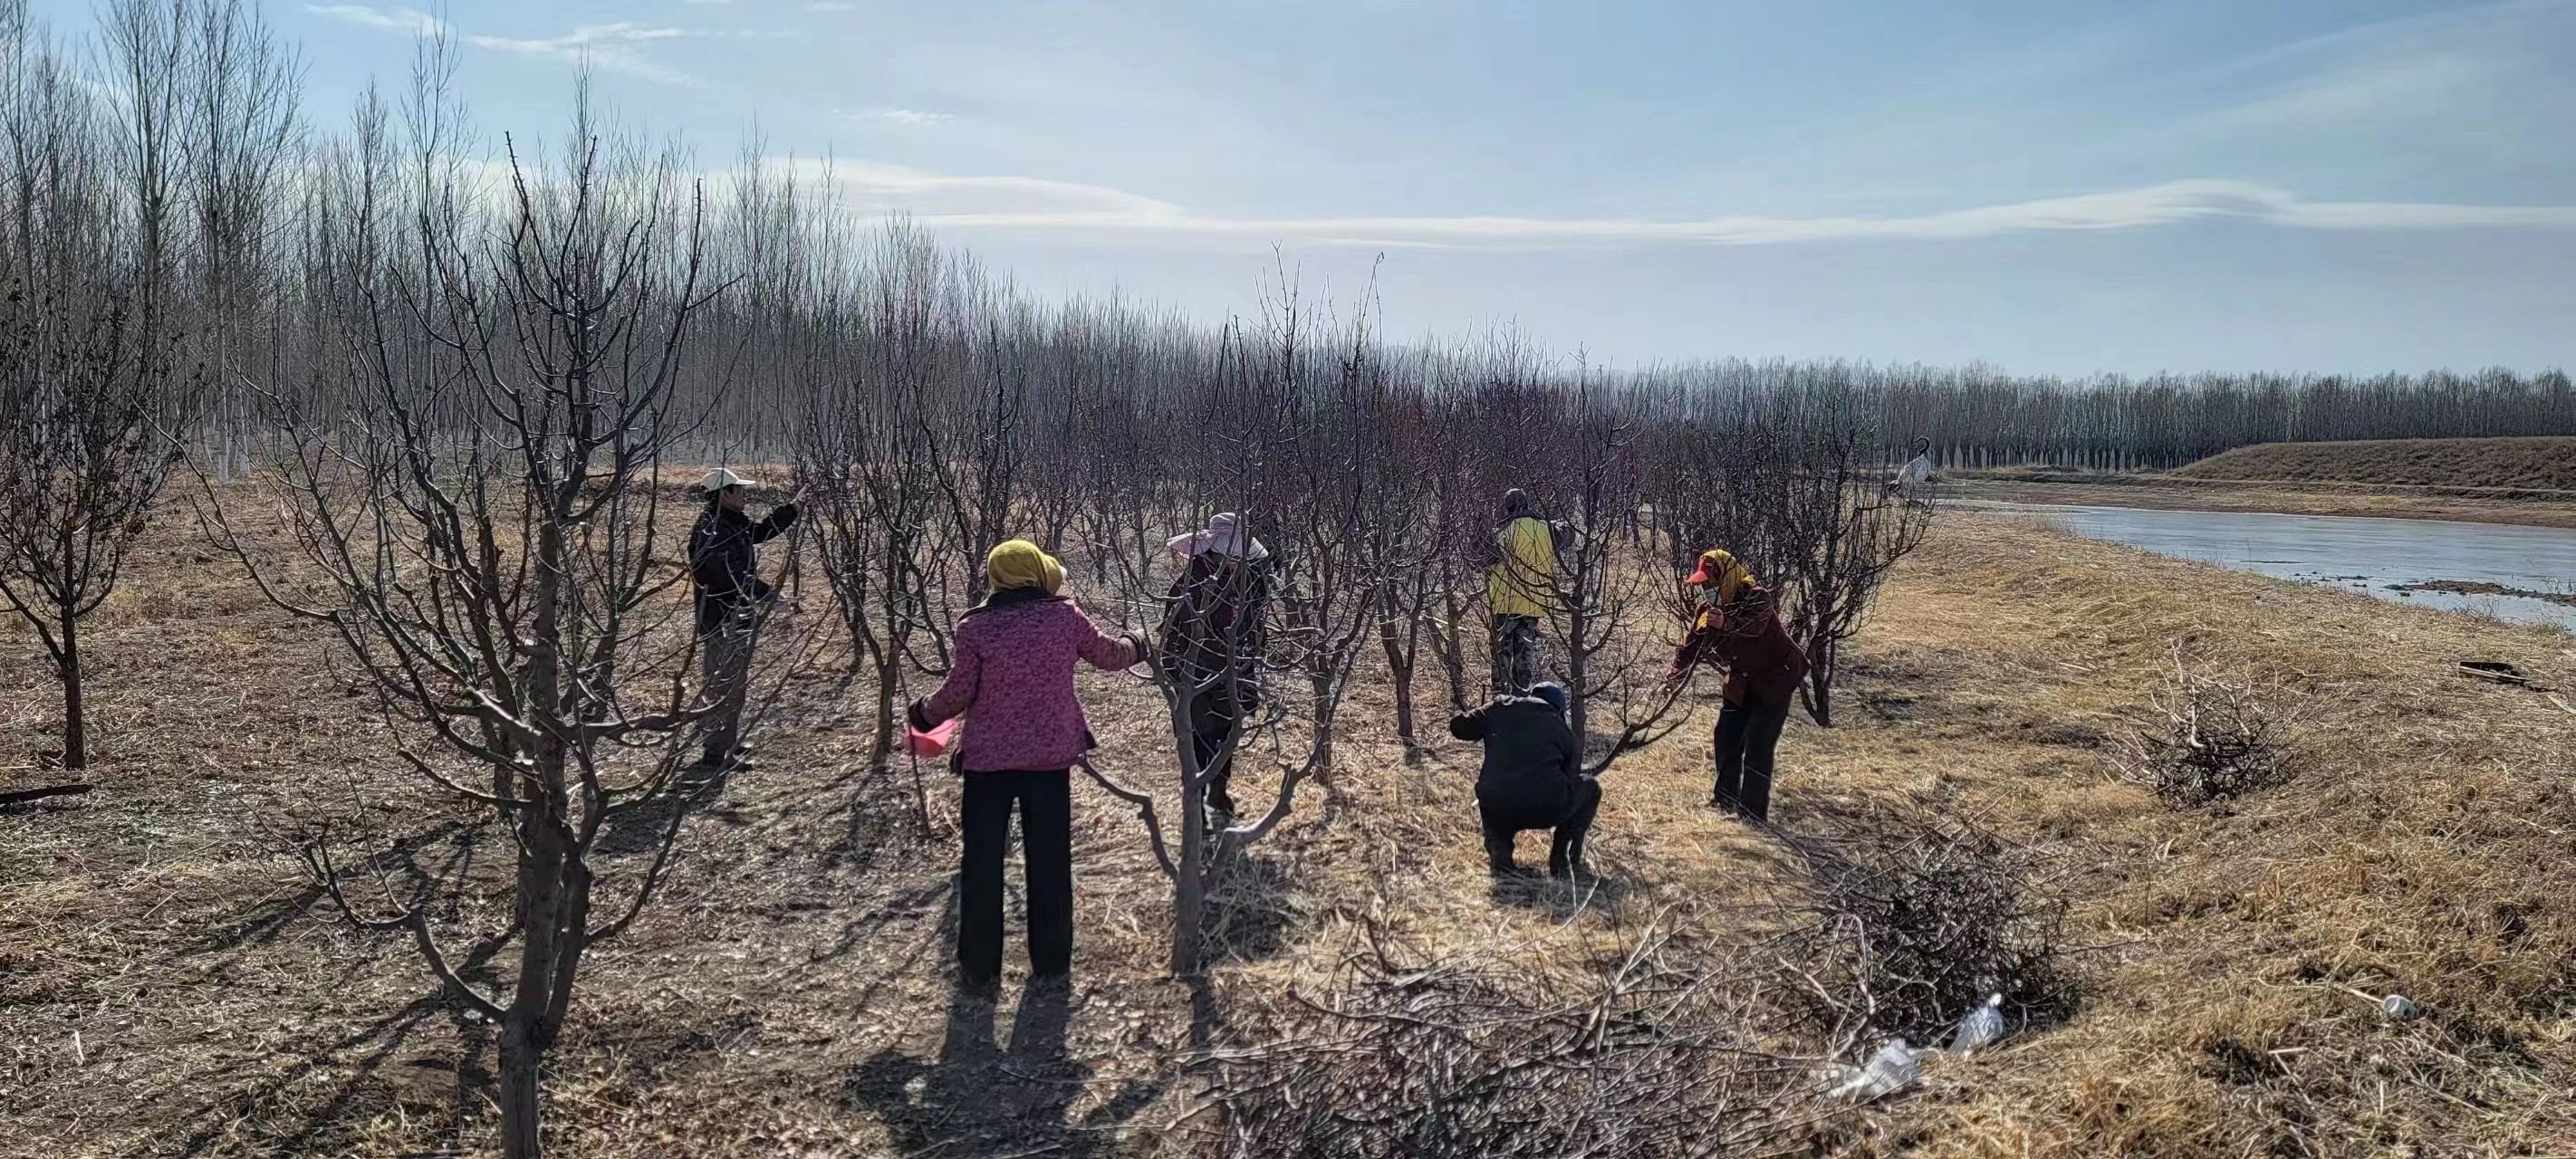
x=720 y=478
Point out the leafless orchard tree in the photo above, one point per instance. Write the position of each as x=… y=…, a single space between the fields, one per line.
x=95 y=382
x=1286 y=437
x=479 y=524
x=1783 y=479
x=1841 y=535
x=1608 y=587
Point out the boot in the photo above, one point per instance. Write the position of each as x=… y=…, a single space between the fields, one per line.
x=1565 y=860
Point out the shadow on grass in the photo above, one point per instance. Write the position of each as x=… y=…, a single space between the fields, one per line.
x=267 y=920
x=1248 y=909
x=313 y=1132
x=1562 y=898
x=977 y=1099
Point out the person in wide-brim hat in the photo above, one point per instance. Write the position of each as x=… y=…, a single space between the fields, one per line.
x=724 y=573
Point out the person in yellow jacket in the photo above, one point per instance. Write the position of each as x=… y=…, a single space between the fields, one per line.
x=1520 y=592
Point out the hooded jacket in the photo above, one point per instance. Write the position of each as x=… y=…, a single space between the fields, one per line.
x=722 y=565
x=1531 y=759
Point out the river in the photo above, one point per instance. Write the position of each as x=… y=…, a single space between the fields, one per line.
x=2386 y=558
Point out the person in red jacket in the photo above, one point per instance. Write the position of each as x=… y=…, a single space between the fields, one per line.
x=1012 y=679
x=1738 y=628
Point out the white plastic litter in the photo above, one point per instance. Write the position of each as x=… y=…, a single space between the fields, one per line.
x=2399 y=1007
x=1981 y=1028
x=1891 y=1070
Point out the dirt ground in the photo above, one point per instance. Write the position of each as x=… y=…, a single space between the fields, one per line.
x=170 y=983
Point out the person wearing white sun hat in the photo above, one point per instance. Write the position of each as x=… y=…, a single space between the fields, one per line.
x=724 y=568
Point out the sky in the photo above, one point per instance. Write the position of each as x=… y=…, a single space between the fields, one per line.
x=2047 y=186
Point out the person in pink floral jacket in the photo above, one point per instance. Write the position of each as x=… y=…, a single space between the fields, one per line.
x=1012 y=679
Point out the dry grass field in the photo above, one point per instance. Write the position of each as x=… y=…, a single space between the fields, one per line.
x=2525 y=464
x=2505 y=480
x=172 y=985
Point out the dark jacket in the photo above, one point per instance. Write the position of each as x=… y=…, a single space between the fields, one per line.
x=1531 y=759
x=722 y=565
x=1747 y=639
x=1215 y=630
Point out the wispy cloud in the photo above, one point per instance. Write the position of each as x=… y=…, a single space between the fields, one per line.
x=830 y=6
x=615 y=47
x=404 y=20
x=916 y=117
x=1029 y=203
x=2441 y=65
x=611 y=47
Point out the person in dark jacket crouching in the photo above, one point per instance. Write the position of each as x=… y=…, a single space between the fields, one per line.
x=1737 y=628
x=1532 y=777
x=724 y=568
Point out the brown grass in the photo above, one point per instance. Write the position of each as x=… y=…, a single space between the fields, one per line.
x=2525 y=464
x=789 y=995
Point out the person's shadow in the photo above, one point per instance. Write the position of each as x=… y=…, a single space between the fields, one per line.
x=975 y=1099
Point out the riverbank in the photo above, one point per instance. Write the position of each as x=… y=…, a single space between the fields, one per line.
x=170 y=985
x=2176 y=493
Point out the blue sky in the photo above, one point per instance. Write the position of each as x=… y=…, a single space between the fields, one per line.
x=2330 y=185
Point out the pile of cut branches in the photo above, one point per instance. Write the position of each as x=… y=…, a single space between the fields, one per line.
x=2204 y=739
x=1666 y=1052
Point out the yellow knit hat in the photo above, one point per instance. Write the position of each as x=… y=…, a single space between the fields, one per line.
x=1017 y=563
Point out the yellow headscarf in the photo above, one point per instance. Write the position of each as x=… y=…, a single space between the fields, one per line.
x=1718 y=566
x=1017 y=563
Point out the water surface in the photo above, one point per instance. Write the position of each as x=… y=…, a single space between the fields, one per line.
x=2379 y=557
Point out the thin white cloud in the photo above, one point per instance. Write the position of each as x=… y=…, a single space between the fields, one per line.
x=612 y=47
x=2438 y=65
x=404 y=20
x=830 y=6
x=1029 y=203
x=904 y=116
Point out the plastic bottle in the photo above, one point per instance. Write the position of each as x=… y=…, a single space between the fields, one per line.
x=1889 y=1071
x=1981 y=1028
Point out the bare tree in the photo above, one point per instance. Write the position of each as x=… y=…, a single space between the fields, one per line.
x=485 y=537
x=1840 y=535
x=1608 y=584
x=94 y=385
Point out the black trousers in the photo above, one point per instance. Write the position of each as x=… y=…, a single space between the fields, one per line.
x=1747 y=736
x=1045 y=800
x=1208 y=745
x=1570 y=821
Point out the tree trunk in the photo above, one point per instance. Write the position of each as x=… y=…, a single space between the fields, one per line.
x=75 y=730
x=521 y=1116
x=1820 y=681
x=1399 y=664
x=886 y=664
x=1189 y=892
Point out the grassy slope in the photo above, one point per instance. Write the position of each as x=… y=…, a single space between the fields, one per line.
x=2543 y=464
x=789 y=988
